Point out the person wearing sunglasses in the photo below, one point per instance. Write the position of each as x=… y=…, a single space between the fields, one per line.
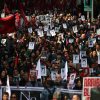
x=13 y=96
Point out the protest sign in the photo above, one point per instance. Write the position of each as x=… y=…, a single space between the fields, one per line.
x=31 y=46
x=84 y=62
x=82 y=54
x=91 y=71
x=82 y=17
x=30 y=30
x=3 y=41
x=75 y=58
x=64 y=26
x=48 y=33
x=71 y=40
x=72 y=78
x=52 y=32
x=46 y=27
x=75 y=30
x=99 y=59
x=53 y=75
x=41 y=18
x=62 y=73
x=47 y=18
x=2 y=15
x=90 y=87
x=43 y=70
x=40 y=33
x=43 y=54
x=56 y=29
x=98 y=31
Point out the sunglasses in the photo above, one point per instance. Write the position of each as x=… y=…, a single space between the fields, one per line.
x=13 y=97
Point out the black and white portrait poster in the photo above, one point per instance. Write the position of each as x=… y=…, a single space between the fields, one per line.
x=62 y=73
x=31 y=46
x=84 y=62
x=53 y=75
x=75 y=58
x=30 y=30
x=75 y=30
x=43 y=70
x=72 y=78
x=82 y=54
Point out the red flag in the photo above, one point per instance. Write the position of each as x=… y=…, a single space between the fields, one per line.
x=7 y=24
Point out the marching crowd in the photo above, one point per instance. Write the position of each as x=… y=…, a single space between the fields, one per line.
x=54 y=38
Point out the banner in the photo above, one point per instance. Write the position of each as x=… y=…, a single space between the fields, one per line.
x=87 y=5
x=7 y=25
x=91 y=88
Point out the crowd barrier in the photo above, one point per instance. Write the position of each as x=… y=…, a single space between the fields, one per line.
x=34 y=93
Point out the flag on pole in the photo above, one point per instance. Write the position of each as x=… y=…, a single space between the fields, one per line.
x=6 y=10
x=23 y=14
x=38 y=68
x=66 y=71
x=8 y=87
x=7 y=24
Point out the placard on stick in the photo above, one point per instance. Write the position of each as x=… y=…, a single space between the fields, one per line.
x=31 y=46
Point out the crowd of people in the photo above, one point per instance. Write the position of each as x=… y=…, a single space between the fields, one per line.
x=54 y=38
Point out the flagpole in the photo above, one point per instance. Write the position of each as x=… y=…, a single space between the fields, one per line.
x=92 y=12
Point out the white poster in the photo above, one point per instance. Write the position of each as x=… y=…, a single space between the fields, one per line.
x=64 y=26
x=43 y=70
x=52 y=32
x=48 y=33
x=72 y=78
x=42 y=18
x=98 y=31
x=71 y=40
x=46 y=27
x=75 y=58
x=56 y=29
x=84 y=62
x=47 y=18
x=62 y=73
x=31 y=46
x=91 y=71
x=3 y=41
x=82 y=17
x=30 y=30
x=40 y=33
x=82 y=54
x=2 y=15
x=99 y=59
x=51 y=25
x=75 y=30
x=53 y=75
